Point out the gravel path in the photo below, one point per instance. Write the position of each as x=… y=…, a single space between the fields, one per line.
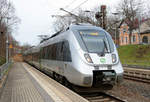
x=132 y=91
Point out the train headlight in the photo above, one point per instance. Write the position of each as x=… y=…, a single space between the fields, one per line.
x=114 y=58
x=88 y=58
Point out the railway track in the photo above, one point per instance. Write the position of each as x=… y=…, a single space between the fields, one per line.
x=140 y=75
x=100 y=97
x=139 y=79
x=95 y=97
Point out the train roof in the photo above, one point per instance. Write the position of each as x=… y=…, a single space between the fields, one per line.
x=83 y=26
x=74 y=27
x=60 y=34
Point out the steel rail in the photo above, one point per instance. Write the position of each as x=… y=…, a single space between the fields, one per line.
x=138 y=79
x=137 y=74
x=93 y=97
x=101 y=97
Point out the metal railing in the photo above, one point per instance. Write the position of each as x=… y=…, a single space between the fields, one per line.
x=3 y=69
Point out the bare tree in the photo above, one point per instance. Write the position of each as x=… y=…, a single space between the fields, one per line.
x=129 y=10
x=63 y=22
x=7 y=13
x=81 y=16
x=146 y=15
x=25 y=47
x=8 y=21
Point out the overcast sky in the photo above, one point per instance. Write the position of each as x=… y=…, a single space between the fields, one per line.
x=36 y=17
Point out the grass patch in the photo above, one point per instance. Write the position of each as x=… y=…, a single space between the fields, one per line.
x=2 y=60
x=135 y=54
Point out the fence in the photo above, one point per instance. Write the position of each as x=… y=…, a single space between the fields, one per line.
x=3 y=69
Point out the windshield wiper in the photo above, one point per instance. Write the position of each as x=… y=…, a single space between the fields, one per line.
x=105 y=46
x=104 y=51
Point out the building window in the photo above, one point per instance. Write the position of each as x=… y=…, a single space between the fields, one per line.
x=124 y=30
x=126 y=40
x=122 y=39
x=134 y=38
x=145 y=39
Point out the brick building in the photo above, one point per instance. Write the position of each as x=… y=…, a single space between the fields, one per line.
x=145 y=31
x=136 y=38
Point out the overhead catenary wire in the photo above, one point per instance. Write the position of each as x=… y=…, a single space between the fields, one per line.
x=70 y=4
x=80 y=4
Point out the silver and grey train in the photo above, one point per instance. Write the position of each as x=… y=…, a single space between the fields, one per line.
x=84 y=55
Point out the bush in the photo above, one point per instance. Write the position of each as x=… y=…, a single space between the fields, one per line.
x=2 y=61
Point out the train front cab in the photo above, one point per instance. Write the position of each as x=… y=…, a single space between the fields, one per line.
x=106 y=77
x=98 y=66
x=97 y=75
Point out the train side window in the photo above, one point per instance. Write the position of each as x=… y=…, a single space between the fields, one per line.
x=54 y=52
x=62 y=47
x=43 y=53
x=59 y=50
x=46 y=52
x=37 y=56
x=49 y=52
x=66 y=52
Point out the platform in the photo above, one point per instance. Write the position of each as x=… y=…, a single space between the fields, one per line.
x=26 y=84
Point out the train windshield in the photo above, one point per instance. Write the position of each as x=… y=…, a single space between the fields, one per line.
x=97 y=41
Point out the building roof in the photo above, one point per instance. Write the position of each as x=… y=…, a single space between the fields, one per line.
x=145 y=32
x=126 y=21
x=144 y=25
x=136 y=22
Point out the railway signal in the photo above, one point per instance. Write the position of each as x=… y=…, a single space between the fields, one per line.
x=10 y=46
x=101 y=16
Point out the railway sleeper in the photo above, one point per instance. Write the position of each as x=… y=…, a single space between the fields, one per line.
x=137 y=79
x=93 y=98
x=101 y=100
x=138 y=76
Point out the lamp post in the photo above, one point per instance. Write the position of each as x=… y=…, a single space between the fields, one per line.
x=7 y=42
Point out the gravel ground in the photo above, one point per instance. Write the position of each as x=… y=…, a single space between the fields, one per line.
x=132 y=91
